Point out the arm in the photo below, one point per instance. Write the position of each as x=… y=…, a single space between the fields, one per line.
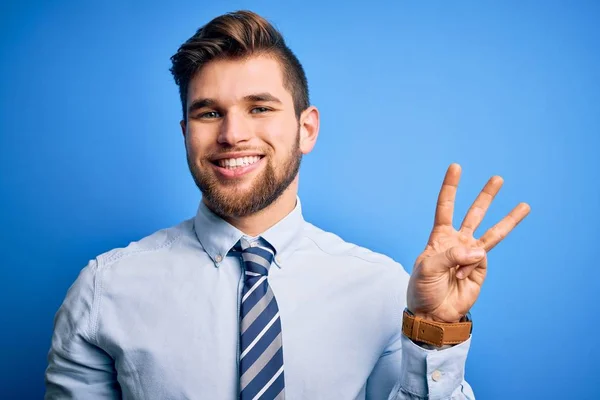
x=77 y=367
x=443 y=286
x=407 y=371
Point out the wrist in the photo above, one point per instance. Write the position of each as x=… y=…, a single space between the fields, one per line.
x=435 y=333
x=429 y=317
x=433 y=318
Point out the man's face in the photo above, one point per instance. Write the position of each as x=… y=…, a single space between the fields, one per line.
x=242 y=136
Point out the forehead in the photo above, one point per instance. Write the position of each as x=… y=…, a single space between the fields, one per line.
x=229 y=80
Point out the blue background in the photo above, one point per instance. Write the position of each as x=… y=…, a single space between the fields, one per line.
x=92 y=157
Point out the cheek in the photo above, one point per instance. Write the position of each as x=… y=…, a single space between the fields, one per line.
x=281 y=135
x=196 y=142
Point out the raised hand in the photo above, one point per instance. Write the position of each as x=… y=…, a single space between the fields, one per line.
x=447 y=276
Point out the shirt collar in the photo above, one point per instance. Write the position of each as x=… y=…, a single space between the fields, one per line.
x=218 y=236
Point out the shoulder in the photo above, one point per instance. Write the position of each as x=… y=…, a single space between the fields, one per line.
x=333 y=245
x=161 y=241
x=387 y=279
x=80 y=308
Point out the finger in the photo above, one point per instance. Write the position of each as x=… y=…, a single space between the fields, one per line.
x=458 y=256
x=464 y=271
x=461 y=255
x=445 y=204
x=498 y=232
x=481 y=204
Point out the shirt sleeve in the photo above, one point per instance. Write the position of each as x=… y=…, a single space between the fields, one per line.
x=77 y=368
x=408 y=371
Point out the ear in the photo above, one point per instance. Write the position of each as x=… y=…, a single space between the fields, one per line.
x=183 y=127
x=309 y=129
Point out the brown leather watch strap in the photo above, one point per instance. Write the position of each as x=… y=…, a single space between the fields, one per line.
x=435 y=333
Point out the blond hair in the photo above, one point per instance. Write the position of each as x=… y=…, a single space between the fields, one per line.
x=238 y=35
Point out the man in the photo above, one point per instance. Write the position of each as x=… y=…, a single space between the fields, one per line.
x=247 y=300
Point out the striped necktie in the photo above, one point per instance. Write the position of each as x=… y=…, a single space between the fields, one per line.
x=261 y=358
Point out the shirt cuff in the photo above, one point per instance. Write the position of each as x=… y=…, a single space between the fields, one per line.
x=433 y=374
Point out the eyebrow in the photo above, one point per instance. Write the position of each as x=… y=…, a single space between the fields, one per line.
x=267 y=97
x=200 y=103
x=207 y=102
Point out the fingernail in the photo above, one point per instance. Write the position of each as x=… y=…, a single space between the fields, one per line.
x=460 y=274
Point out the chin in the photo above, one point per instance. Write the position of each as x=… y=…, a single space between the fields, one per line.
x=232 y=190
x=243 y=185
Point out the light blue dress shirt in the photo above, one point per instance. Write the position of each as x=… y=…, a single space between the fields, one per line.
x=159 y=319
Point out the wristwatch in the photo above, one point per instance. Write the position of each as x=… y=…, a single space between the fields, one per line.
x=436 y=333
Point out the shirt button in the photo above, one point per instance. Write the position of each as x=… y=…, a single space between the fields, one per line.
x=278 y=259
x=436 y=375
x=218 y=258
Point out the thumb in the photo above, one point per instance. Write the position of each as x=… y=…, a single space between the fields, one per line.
x=461 y=255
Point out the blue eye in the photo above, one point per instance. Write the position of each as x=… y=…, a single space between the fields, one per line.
x=259 y=110
x=210 y=115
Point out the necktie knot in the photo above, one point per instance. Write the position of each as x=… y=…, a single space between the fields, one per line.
x=257 y=258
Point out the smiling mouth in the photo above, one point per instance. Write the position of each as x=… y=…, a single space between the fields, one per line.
x=235 y=163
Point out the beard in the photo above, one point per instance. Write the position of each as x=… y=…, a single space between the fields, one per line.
x=225 y=200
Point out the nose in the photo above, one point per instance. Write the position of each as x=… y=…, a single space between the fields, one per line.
x=234 y=130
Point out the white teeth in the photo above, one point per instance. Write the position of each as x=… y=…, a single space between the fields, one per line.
x=232 y=163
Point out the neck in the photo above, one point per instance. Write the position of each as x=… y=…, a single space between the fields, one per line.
x=261 y=221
